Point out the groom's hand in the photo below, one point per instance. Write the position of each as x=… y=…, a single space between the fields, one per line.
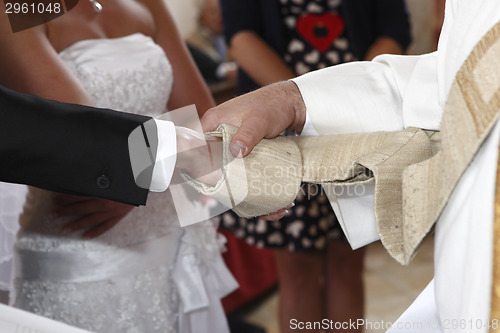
x=199 y=155
x=263 y=113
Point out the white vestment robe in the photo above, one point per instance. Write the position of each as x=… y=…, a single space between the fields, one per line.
x=394 y=92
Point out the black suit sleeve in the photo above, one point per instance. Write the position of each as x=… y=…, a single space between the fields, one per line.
x=67 y=148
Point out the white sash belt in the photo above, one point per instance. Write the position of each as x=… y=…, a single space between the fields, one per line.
x=200 y=286
x=95 y=265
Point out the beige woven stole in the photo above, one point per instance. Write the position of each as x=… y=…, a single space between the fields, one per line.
x=271 y=175
x=495 y=288
x=472 y=109
x=411 y=185
x=356 y=158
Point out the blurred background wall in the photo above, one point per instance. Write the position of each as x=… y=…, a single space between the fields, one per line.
x=422 y=22
x=184 y=13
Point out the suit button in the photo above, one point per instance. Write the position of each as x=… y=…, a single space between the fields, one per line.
x=103 y=182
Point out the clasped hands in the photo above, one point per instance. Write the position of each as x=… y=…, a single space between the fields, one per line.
x=264 y=113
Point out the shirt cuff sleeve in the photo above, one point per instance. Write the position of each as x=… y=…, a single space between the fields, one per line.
x=153 y=154
x=354 y=207
x=166 y=156
x=309 y=129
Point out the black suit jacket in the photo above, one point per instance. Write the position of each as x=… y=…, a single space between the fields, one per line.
x=67 y=148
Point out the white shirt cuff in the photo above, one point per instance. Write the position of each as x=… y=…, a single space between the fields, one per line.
x=309 y=129
x=153 y=154
x=354 y=207
x=166 y=156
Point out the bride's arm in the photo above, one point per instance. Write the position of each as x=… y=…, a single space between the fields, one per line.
x=29 y=63
x=189 y=86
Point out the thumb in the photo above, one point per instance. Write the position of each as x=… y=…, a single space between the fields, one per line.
x=251 y=131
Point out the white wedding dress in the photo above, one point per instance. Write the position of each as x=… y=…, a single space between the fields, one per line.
x=147 y=274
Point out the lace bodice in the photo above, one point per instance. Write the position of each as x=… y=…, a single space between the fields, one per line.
x=130 y=74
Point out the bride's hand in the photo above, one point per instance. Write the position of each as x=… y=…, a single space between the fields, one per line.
x=94 y=215
x=276 y=216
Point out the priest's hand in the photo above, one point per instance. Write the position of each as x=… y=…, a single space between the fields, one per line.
x=264 y=113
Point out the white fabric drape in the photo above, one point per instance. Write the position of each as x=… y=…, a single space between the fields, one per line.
x=13 y=320
x=12 y=198
x=391 y=93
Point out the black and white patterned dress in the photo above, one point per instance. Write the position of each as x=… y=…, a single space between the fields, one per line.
x=315 y=38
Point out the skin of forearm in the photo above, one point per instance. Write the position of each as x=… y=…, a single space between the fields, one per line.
x=257 y=59
x=383 y=45
x=299 y=107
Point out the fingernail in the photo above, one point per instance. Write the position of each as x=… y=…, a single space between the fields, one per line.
x=238 y=149
x=291 y=205
x=283 y=213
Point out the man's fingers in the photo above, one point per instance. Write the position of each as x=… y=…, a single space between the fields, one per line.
x=210 y=121
x=222 y=114
x=250 y=133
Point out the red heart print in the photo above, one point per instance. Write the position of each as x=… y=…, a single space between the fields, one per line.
x=320 y=30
